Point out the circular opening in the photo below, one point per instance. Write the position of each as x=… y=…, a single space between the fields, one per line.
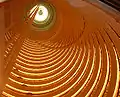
x=44 y=17
x=41 y=14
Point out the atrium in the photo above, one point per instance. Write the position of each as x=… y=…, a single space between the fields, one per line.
x=60 y=48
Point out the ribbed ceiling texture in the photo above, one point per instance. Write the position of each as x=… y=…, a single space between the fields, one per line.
x=76 y=56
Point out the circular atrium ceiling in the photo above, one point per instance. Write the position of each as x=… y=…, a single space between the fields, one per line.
x=41 y=14
x=44 y=16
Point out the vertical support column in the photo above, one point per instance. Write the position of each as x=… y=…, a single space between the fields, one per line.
x=2 y=32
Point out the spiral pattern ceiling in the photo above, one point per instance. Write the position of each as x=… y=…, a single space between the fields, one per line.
x=81 y=58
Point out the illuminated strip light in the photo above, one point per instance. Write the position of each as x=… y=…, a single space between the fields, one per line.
x=40 y=68
x=65 y=56
x=6 y=94
x=10 y=46
x=74 y=75
x=88 y=75
x=18 y=90
x=33 y=9
x=8 y=49
x=6 y=38
x=38 y=74
x=50 y=44
x=6 y=52
x=107 y=75
x=33 y=45
x=42 y=58
x=9 y=35
x=29 y=44
x=40 y=51
x=59 y=58
x=27 y=41
x=34 y=48
x=117 y=80
x=23 y=91
x=35 y=52
x=57 y=45
x=36 y=64
x=39 y=64
x=51 y=54
x=51 y=82
x=29 y=85
x=88 y=94
x=53 y=75
x=5 y=55
x=33 y=64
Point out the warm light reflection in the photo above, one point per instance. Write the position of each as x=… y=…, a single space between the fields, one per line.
x=33 y=9
x=42 y=14
x=7 y=95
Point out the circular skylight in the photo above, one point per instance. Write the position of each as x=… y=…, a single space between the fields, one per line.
x=41 y=14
